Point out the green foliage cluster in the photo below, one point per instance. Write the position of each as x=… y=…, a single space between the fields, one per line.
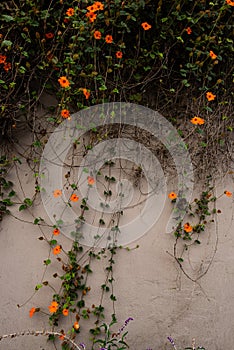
x=41 y=42
x=125 y=51
x=6 y=186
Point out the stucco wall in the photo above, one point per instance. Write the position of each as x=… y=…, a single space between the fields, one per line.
x=149 y=285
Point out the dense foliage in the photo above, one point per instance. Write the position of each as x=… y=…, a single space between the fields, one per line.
x=174 y=56
x=116 y=51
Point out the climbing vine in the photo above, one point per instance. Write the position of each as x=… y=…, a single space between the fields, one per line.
x=173 y=57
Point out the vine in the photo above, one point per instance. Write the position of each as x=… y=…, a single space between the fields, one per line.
x=175 y=58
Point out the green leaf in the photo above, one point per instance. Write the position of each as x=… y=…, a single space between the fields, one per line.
x=11 y=194
x=59 y=222
x=51 y=337
x=15 y=159
x=115 y=90
x=185 y=82
x=180 y=39
x=85 y=314
x=207 y=108
x=37 y=143
x=7 y=18
x=28 y=202
x=38 y=286
x=95 y=331
x=81 y=303
x=12 y=84
x=36 y=221
x=7 y=201
x=53 y=242
x=47 y=262
x=101 y=222
x=22 y=69
x=197 y=241
x=22 y=207
x=50 y=119
x=103 y=88
x=7 y=43
x=105 y=287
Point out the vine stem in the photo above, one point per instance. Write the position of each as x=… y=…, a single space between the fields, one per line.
x=38 y=333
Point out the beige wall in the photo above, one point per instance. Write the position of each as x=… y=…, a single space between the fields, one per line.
x=148 y=284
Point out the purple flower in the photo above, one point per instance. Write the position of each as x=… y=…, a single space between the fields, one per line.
x=125 y=324
x=82 y=345
x=172 y=342
x=128 y=320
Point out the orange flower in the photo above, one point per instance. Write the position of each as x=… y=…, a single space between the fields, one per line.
x=62 y=337
x=210 y=96
x=228 y=193
x=49 y=35
x=91 y=180
x=92 y=16
x=213 y=55
x=146 y=26
x=229 y=2
x=86 y=93
x=57 y=193
x=109 y=39
x=57 y=250
x=70 y=12
x=7 y=66
x=32 y=311
x=65 y=312
x=56 y=232
x=65 y=113
x=99 y=6
x=63 y=82
x=53 y=307
x=97 y=35
x=92 y=8
x=187 y=227
x=2 y=59
x=188 y=30
x=76 y=326
x=74 y=198
x=197 y=121
x=119 y=54
x=172 y=195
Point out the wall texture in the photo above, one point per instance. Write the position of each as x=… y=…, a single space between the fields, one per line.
x=149 y=285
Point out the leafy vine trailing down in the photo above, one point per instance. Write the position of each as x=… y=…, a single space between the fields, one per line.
x=174 y=57
x=201 y=214
x=86 y=54
x=76 y=263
